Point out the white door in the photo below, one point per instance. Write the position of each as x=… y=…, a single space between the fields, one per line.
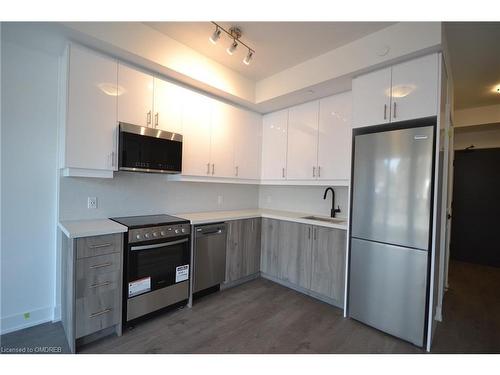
x=168 y=100
x=302 y=150
x=135 y=103
x=274 y=145
x=334 y=137
x=247 y=145
x=225 y=118
x=371 y=98
x=91 y=111
x=196 y=134
x=415 y=89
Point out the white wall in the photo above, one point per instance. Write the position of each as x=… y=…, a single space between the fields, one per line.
x=30 y=67
x=142 y=194
x=488 y=114
x=481 y=136
x=307 y=199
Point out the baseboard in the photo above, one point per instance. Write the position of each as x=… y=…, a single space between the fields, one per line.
x=57 y=314
x=439 y=314
x=17 y=322
x=243 y=280
x=308 y=292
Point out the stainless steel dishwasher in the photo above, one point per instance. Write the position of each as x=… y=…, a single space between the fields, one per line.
x=209 y=256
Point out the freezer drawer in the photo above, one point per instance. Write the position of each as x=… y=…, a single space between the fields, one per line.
x=392 y=185
x=209 y=256
x=387 y=288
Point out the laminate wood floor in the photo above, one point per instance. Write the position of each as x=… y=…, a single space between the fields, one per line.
x=263 y=317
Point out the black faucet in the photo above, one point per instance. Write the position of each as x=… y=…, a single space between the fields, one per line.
x=334 y=210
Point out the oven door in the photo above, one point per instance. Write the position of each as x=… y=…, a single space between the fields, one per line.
x=149 y=150
x=157 y=265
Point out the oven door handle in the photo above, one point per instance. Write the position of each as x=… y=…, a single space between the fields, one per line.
x=155 y=246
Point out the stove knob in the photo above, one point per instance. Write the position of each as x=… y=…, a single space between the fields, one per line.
x=138 y=236
x=162 y=233
x=146 y=235
x=183 y=230
x=177 y=231
x=155 y=234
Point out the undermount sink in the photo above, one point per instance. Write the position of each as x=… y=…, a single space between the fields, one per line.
x=326 y=219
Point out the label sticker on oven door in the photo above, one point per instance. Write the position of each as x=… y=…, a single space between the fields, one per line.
x=139 y=286
x=181 y=273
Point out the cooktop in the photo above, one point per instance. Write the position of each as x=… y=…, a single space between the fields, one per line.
x=148 y=220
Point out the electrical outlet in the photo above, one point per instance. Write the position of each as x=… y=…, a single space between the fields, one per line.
x=219 y=200
x=92 y=202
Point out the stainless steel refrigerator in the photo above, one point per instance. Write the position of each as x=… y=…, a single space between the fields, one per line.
x=390 y=230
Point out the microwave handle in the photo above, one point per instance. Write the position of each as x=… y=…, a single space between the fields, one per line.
x=155 y=246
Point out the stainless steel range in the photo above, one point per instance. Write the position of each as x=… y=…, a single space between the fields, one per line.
x=156 y=263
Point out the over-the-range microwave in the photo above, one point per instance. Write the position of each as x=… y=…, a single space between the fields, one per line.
x=142 y=149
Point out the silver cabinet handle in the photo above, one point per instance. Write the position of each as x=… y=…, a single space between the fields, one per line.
x=107 y=264
x=208 y=168
x=237 y=171
x=107 y=244
x=319 y=171
x=213 y=169
x=283 y=172
x=314 y=171
x=314 y=233
x=385 y=111
x=100 y=313
x=158 y=245
x=157 y=115
x=394 y=115
x=309 y=232
x=148 y=118
x=100 y=284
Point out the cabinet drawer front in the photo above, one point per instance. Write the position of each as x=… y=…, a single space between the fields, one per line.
x=96 y=312
x=98 y=245
x=89 y=268
x=97 y=283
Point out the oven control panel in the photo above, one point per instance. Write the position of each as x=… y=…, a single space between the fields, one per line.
x=156 y=233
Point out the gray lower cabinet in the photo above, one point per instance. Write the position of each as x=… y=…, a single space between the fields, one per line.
x=328 y=263
x=243 y=248
x=91 y=287
x=307 y=256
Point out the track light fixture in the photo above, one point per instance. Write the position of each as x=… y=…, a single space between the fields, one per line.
x=235 y=34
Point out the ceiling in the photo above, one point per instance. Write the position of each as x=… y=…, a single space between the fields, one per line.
x=278 y=45
x=475 y=62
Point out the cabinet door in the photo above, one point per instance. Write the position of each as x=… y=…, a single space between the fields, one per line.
x=334 y=137
x=302 y=151
x=252 y=246
x=135 y=102
x=196 y=134
x=371 y=98
x=168 y=101
x=90 y=138
x=247 y=144
x=328 y=263
x=269 y=262
x=224 y=119
x=274 y=145
x=415 y=89
x=295 y=253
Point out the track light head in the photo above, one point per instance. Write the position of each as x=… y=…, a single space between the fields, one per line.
x=248 y=57
x=215 y=36
x=232 y=48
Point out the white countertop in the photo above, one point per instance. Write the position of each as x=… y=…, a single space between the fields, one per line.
x=87 y=228
x=215 y=216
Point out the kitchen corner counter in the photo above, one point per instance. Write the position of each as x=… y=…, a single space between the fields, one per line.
x=87 y=228
x=217 y=216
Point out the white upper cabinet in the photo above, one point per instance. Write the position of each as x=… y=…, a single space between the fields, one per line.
x=335 y=137
x=371 y=98
x=415 y=89
x=302 y=150
x=247 y=145
x=90 y=129
x=196 y=113
x=402 y=92
x=224 y=121
x=274 y=145
x=167 y=109
x=135 y=101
